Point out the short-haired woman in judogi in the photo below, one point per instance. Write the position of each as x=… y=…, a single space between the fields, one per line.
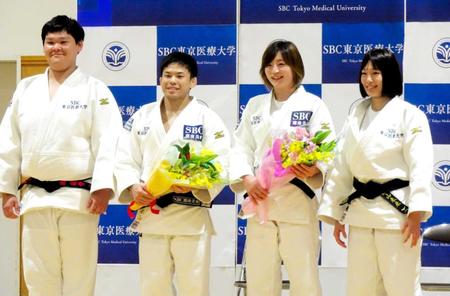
x=380 y=184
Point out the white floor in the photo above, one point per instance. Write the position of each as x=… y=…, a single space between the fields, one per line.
x=222 y=281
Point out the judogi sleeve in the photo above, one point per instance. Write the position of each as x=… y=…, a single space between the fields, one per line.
x=418 y=154
x=338 y=185
x=128 y=166
x=106 y=126
x=242 y=156
x=217 y=138
x=10 y=146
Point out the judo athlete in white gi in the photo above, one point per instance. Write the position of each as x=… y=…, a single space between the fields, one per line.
x=178 y=238
x=385 y=145
x=291 y=233
x=61 y=126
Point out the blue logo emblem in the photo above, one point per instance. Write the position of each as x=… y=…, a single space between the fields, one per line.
x=300 y=118
x=441 y=53
x=441 y=175
x=116 y=56
x=193 y=132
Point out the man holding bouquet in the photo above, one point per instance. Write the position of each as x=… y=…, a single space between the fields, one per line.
x=175 y=233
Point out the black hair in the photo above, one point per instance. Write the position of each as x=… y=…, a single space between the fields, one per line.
x=384 y=60
x=291 y=57
x=62 y=23
x=181 y=58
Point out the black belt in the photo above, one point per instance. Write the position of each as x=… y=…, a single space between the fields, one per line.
x=371 y=190
x=186 y=199
x=51 y=186
x=301 y=185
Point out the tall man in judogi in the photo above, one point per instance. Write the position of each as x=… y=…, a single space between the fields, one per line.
x=58 y=143
x=178 y=238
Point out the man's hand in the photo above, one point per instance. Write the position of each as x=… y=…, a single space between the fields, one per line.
x=140 y=194
x=254 y=189
x=180 y=189
x=98 y=202
x=338 y=230
x=411 y=228
x=303 y=171
x=11 y=206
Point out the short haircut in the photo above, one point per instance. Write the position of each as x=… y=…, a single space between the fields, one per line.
x=62 y=23
x=384 y=60
x=182 y=59
x=291 y=57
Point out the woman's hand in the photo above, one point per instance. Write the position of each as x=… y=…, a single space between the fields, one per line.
x=303 y=171
x=254 y=189
x=140 y=194
x=338 y=230
x=11 y=206
x=411 y=228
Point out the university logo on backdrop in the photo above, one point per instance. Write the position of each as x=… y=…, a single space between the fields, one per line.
x=441 y=53
x=441 y=175
x=117 y=243
x=316 y=11
x=131 y=98
x=116 y=56
x=433 y=100
x=213 y=47
x=344 y=46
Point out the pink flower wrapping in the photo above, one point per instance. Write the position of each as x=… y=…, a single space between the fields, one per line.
x=275 y=168
x=270 y=175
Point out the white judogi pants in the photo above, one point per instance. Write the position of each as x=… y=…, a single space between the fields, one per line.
x=380 y=264
x=59 y=251
x=187 y=255
x=269 y=243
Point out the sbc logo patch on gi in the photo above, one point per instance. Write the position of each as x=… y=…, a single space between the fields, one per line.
x=441 y=175
x=116 y=56
x=193 y=132
x=300 y=118
x=441 y=53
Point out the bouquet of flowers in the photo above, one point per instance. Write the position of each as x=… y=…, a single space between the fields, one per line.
x=193 y=167
x=297 y=147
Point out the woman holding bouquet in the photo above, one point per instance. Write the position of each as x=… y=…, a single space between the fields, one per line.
x=380 y=185
x=291 y=232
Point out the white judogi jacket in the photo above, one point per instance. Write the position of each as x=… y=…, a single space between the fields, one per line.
x=143 y=145
x=396 y=144
x=253 y=137
x=72 y=136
